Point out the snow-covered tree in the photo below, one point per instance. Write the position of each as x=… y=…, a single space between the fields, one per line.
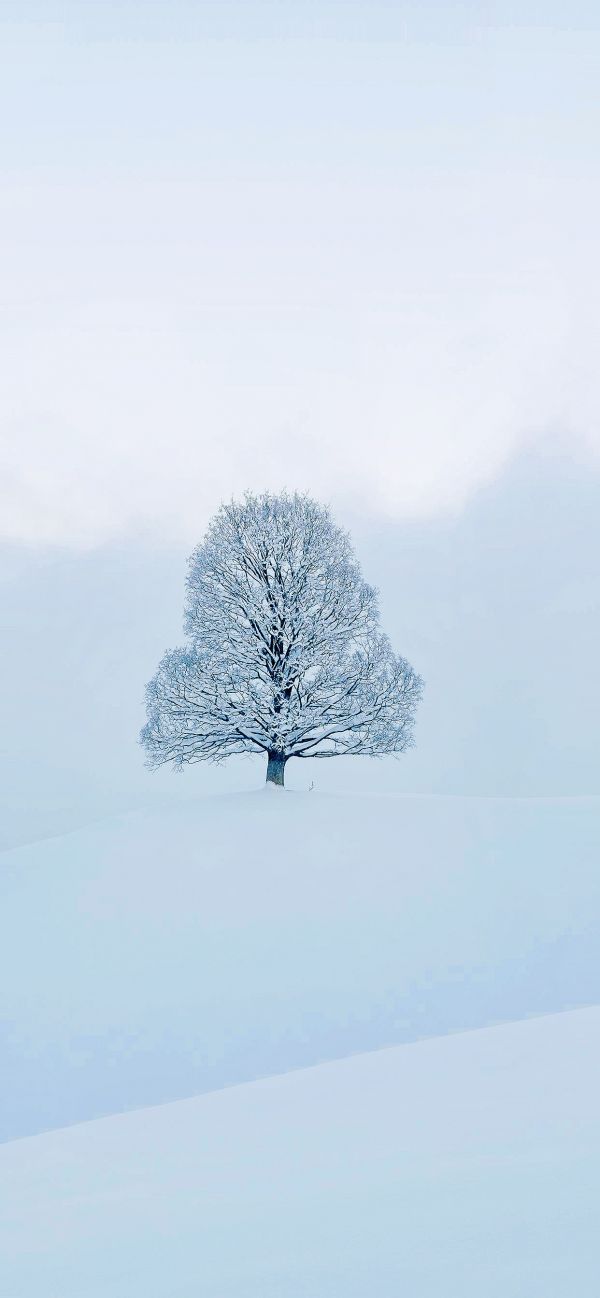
x=285 y=656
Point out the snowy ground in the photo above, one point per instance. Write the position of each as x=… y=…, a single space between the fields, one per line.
x=464 y=1167
x=159 y=955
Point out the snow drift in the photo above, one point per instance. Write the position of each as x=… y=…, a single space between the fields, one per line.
x=460 y=1167
x=162 y=954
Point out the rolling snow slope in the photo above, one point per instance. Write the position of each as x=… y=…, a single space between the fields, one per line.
x=159 y=955
x=463 y=1167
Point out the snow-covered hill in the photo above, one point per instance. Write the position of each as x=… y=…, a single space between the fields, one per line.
x=159 y=955
x=464 y=1167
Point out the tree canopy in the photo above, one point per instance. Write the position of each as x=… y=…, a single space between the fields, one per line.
x=284 y=653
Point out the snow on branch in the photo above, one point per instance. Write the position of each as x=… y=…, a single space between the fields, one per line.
x=284 y=652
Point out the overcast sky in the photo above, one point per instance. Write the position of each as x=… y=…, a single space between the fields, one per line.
x=349 y=247
x=343 y=246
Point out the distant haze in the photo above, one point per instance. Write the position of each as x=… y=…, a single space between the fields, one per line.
x=498 y=608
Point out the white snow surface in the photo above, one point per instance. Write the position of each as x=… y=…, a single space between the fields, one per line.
x=462 y=1167
x=171 y=952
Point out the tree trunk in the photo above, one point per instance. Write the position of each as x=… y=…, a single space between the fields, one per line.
x=276 y=768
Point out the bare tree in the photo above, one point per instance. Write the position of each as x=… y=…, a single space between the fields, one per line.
x=285 y=656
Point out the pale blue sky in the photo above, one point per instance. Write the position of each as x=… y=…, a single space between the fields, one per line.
x=349 y=247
